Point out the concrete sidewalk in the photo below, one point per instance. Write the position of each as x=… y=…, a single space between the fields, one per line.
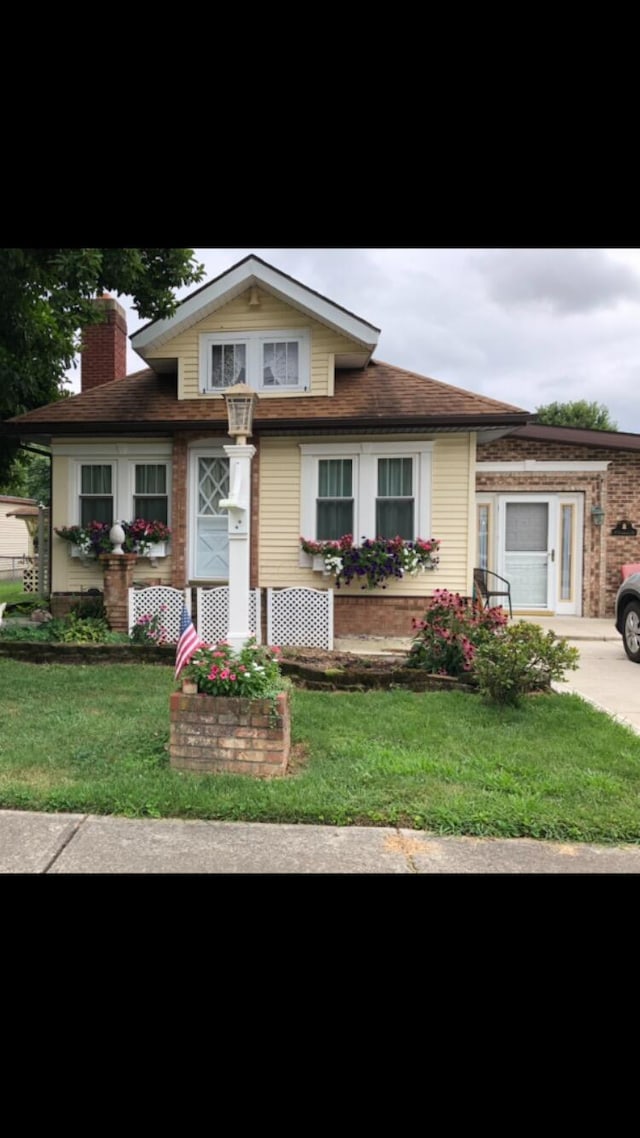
x=87 y=844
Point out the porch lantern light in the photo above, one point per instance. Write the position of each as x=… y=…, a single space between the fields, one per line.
x=241 y=400
x=597 y=515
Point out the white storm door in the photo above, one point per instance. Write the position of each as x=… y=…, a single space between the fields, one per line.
x=527 y=555
x=209 y=524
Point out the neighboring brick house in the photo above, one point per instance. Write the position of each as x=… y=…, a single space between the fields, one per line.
x=342 y=440
x=559 y=514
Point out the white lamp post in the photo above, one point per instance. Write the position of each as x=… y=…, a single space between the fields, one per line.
x=241 y=400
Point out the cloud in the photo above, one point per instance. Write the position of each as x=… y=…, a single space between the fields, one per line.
x=566 y=281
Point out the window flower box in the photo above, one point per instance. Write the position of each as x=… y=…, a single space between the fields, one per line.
x=82 y=553
x=374 y=562
x=153 y=552
x=147 y=539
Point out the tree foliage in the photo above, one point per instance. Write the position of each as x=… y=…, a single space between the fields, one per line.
x=46 y=299
x=29 y=477
x=580 y=413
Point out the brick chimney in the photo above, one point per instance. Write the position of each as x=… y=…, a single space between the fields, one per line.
x=104 y=346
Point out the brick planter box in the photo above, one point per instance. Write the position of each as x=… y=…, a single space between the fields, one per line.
x=231 y=735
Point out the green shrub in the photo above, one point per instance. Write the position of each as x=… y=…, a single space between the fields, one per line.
x=70 y=629
x=90 y=607
x=77 y=630
x=452 y=630
x=29 y=632
x=523 y=659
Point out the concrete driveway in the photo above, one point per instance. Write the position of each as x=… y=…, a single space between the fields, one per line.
x=606 y=677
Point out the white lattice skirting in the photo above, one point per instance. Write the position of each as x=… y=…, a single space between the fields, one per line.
x=213 y=614
x=163 y=601
x=30 y=577
x=297 y=617
x=300 y=617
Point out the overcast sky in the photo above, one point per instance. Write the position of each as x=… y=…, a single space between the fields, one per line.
x=527 y=326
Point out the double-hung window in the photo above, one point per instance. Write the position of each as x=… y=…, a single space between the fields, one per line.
x=366 y=489
x=268 y=361
x=150 y=500
x=334 y=503
x=127 y=481
x=395 y=501
x=96 y=493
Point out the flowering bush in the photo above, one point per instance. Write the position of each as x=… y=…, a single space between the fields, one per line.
x=93 y=539
x=446 y=641
x=149 y=629
x=252 y=672
x=375 y=561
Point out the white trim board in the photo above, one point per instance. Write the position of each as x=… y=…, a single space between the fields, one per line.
x=533 y=464
x=235 y=281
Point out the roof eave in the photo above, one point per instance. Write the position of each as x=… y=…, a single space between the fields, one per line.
x=230 y=284
x=358 y=422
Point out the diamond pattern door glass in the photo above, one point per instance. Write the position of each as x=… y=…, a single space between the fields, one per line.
x=212 y=538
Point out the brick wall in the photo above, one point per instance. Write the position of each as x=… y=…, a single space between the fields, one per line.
x=617 y=490
x=376 y=615
x=230 y=734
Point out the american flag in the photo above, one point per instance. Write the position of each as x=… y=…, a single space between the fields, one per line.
x=188 y=643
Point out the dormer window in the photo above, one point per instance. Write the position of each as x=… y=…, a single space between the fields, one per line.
x=268 y=361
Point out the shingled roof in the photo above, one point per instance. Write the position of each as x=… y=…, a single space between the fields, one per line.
x=377 y=396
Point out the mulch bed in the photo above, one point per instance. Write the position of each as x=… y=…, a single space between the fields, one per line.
x=311 y=668
x=316 y=669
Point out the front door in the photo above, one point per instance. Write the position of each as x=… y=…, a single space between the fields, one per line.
x=540 y=551
x=209 y=482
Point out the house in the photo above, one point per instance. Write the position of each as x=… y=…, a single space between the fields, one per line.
x=558 y=514
x=344 y=443
x=16 y=542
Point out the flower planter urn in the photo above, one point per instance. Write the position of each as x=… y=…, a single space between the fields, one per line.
x=229 y=734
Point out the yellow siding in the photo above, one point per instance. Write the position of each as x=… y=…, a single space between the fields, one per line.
x=452 y=477
x=280 y=516
x=237 y=316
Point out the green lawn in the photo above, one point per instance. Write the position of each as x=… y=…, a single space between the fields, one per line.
x=11 y=591
x=94 y=739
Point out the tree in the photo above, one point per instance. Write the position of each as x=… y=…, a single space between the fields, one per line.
x=30 y=477
x=45 y=301
x=580 y=413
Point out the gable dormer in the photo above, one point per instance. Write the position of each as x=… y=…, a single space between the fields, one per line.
x=257 y=325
